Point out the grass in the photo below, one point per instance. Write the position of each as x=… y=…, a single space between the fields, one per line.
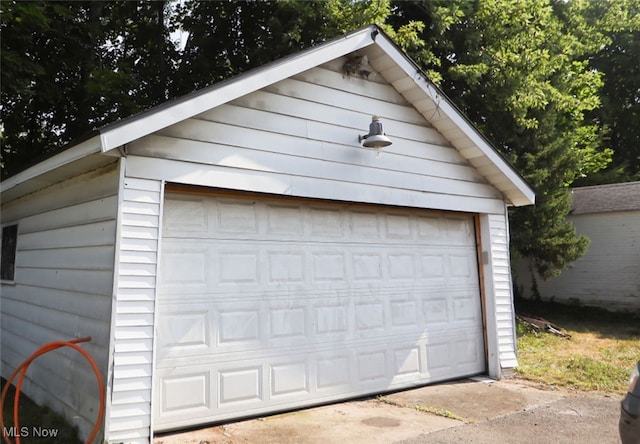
x=428 y=409
x=38 y=424
x=603 y=348
x=439 y=412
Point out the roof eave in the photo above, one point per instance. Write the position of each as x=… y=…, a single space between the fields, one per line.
x=71 y=154
x=520 y=193
x=156 y=119
x=514 y=188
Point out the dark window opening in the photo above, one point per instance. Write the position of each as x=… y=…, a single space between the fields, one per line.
x=8 y=259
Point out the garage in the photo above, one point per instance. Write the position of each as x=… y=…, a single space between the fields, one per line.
x=270 y=303
x=250 y=248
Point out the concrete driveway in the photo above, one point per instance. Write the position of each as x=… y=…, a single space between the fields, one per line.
x=474 y=410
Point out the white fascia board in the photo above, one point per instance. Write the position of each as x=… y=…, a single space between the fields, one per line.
x=152 y=121
x=83 y=149
x=450 y=111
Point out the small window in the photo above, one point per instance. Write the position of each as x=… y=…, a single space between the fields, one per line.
x=8 y=260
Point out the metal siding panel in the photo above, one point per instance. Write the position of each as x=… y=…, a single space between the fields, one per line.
x=264 y=102
x=246 y=180
x=304 y=143
x=456 y=180
x=362 y=104
x=78 y=214
x=130 y=413
x=336 y=80
x=502 y=287
x=63 y=289
x=86 y=187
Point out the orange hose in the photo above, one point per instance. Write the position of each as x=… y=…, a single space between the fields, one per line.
x=22 y=369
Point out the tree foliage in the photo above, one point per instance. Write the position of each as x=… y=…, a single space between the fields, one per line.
x=618 y=59
x=70 y=67
x=553 y=84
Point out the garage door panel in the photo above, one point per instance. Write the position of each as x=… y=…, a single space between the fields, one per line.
x=247 y=264
x=235 y=217
x=327 y=223
x=240 y=386
x=226 y=219
x=186 y=216
x=290 y=377
x=184 y=394
x=213 y=392
x=269 y=305
x=235 y=324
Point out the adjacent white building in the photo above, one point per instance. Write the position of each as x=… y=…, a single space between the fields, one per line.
x=238 y=252
x=608 y=275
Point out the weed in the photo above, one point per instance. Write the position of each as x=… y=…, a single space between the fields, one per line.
x=433 y=410
x=603 y=348
x=440 y=412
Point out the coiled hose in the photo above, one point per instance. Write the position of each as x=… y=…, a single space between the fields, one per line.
x=22 y=369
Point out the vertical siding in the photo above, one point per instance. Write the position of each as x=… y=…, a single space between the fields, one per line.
x=130 y=408
x=499 y=308
x=607 y=276
x=503 y=288
x=62 y=290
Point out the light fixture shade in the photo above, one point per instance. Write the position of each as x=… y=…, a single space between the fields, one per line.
x=376 y=137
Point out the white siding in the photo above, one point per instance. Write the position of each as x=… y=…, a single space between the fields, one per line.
x=607 y=276
x=62 y=290
x=499 y=308
x=300 y=137
x=130 y=408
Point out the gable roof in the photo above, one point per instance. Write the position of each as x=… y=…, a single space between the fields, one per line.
x=606 y=198
x=384 y=57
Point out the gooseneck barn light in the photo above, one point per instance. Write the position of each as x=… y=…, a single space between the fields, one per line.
x=376 y=137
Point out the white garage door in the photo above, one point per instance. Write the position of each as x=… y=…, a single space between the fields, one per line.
x=266 y=305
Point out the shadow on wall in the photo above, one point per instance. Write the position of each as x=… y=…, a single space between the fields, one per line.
x=584 y=284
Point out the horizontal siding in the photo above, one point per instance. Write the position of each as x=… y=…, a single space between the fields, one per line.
x=83 y=189
x=91 y=234
x=346 y=99
x=284 y=184
x=63 y=288
x=79 y=257
x=300 y=137
x=264 y=102
x=607 y=276
x=334 y=78
x=260 y=159
x=130 y=410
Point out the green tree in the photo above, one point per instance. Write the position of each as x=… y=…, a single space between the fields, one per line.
x=519 y=72
x=522 y=71
x=70 y=67
x=227 y=38
x=41 y=53
x=618 y=59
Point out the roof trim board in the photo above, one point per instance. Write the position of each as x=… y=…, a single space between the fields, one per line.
x=440 y=103
x=120 y=133
x=71 y=154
